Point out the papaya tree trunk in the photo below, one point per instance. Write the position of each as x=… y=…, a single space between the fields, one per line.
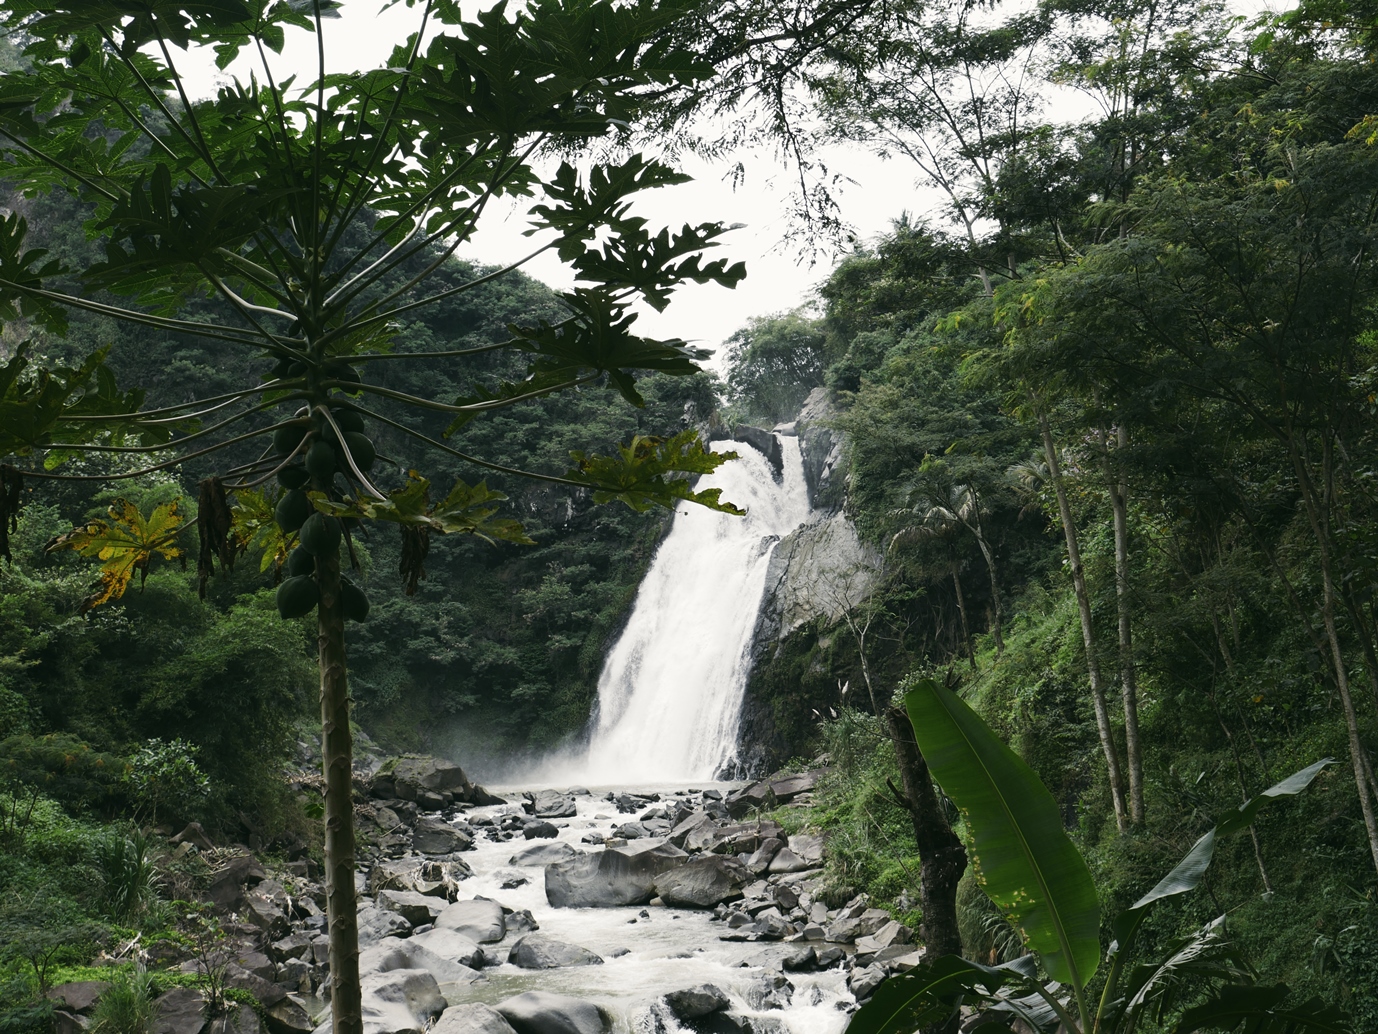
x=942 y=858
x=1088 y=635
x=337 y=749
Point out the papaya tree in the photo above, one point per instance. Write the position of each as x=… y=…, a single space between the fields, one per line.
x=308 y=222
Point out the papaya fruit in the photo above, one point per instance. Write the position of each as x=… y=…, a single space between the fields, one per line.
x=297 y=596
x=361 y=448
x=343 y=372
x=354 y=600
x=293 y=477
x=281 y=368
x=300 y=562
x=285 y=439
x=292 y=510
x=321 y=460
x=320 y=535
x=348 y=419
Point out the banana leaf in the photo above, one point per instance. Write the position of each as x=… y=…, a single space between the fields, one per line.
x=1250 y=1009
x=1023 y=859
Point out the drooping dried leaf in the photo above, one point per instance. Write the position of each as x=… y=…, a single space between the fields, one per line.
x=214 y=526
x=416 y=543
x=11 y=491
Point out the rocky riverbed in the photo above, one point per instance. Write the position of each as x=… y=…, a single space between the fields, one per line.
x=569 y=911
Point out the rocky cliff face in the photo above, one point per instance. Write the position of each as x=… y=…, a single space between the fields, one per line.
x=816 y=574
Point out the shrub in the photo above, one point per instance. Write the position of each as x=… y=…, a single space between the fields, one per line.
x=126 y=1007
x=131 y=879
x=166 y=775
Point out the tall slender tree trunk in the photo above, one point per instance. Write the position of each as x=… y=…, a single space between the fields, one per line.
x=1317 y=515
x=962 y=614
x=337 y=749
x=988 y=554
x=1118 y=489
x=942 y=858
x=1088 y=636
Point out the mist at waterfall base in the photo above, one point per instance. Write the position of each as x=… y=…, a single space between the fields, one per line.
x=670 y=693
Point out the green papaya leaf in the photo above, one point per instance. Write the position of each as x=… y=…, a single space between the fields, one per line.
x=1023 y=859
x=467 y=509
x=640 y=474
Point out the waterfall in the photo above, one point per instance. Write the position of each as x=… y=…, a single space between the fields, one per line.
x=670 y=694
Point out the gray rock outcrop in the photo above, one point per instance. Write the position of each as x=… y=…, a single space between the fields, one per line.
x=472 y=1018
x=535 y=951
x=480 y=920
x=540 y=1012
x=612 y=877
x=703 y=882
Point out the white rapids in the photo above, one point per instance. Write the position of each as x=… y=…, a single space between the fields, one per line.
x=670 y=695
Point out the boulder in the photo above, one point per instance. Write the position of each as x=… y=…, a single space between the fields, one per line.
x=181 y=1011
x=434 y=877
x=396 y=1001
x=762 y=441
x=436 y=836
x=417 y=909
x=287 y=1017
x=540 y=1012
x=451 y=946
x=228 y=882
x=741 y=803
x=771 y=991
x=472 y=1018
x=889 y=935
x=404 y=776
x=239 y=1019
x=377 y=923
x=549 y=804
x=760 y=860
x=540 y=830
x=480 y=920
x=702 y=882
x=682 y=831
x=195 y=835
x=543 y=854
x=786 y=860
x=535 y=951
x=396 y=953
x=64 y=1022
x=612 y=877
x=522 y=922
x=788 y=788
x=863 y=981
x=693 y=1002
x=78 y=996
x=266 y=993
x=808 y=848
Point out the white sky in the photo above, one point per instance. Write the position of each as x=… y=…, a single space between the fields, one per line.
x=706 y=314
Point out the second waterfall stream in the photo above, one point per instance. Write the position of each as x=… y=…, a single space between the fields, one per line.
x=670 y=695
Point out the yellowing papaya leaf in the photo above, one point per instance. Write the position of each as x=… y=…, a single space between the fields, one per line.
x=124 y=544
x=467 y=510
x=639 y=475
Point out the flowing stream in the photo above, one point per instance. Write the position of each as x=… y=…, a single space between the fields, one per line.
x=670 y=695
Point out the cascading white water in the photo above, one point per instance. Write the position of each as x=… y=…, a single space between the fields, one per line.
x=670 y=695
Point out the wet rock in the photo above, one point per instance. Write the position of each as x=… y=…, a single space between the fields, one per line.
x=405 y=776
x=786 y=860
x=702 y=882
x=762 y=441
x=540 y=830
x=540 y=1012
x=293 y=946
x=864 y=981
x=693 y=1002
x=612 y=877
x=535 y=951
x=435 y=836
x=181 y=1011
x=480 y=920
x=890 y=935
x=434 y=877
x=630 y=831
x=548 y=804
x=240 y=1019
x=395 y=954
x=699 y=822
x=398 y=1000
x=829 y=957
x=78 y=996
x=480 y=797
x=452 y=946
x=801 y=960
x=843 y=931
x=543 y=854
x=472 y=1018
x=417 y=909
x=377 y=923
x=771 y=991
x=522 y=922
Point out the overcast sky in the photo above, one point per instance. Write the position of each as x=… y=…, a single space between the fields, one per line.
x=776 y=278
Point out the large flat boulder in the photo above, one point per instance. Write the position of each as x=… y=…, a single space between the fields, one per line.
x=452 y=946
x=399 y=1001
x=550 y=804
x=405 y=776
x=436 y=836
x=434 y=877
x=703 y=882
x=536 y=951
x=417 y=909
x=480 y=920
x=376 y=923
x=540 y=1012
x=78 y=996
x=472 y=1018
x=395 y=953
x=181 y=1011
x=613 y=877
x=543 y=854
